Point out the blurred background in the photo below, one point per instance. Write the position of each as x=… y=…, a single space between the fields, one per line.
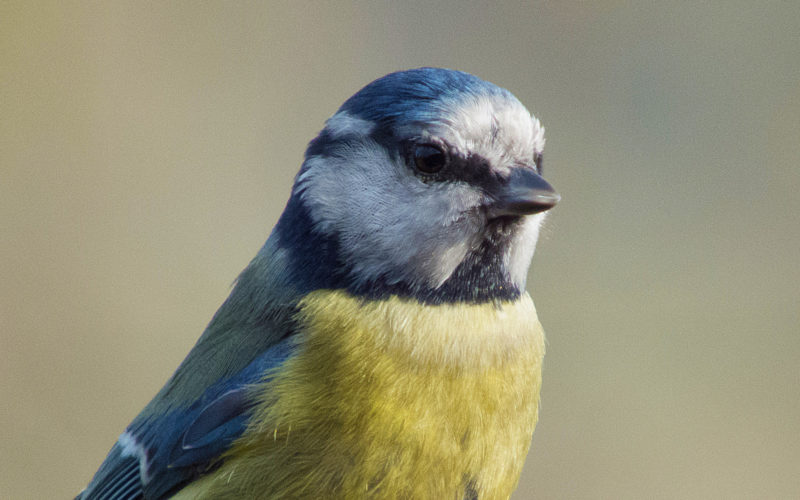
x=147 y=149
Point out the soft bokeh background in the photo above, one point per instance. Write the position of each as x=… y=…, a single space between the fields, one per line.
x=148 y=148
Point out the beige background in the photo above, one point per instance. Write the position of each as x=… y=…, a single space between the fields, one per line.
x=147 y=150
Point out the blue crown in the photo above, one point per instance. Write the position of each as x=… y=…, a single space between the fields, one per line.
x=418 y=95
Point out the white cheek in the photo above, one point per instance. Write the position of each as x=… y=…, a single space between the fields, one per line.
x=389 y=223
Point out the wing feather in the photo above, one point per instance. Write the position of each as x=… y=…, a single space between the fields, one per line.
x=158 y=455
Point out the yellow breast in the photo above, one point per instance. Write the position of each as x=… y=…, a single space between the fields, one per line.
x=392 y=399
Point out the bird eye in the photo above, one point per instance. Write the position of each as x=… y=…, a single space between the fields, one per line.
x=538 y=159
x=429 y=158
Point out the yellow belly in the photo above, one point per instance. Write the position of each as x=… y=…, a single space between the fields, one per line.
x=392 y=399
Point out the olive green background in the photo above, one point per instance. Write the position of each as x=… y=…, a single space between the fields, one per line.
x=148 y=148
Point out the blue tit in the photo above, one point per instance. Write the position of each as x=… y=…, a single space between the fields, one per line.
x=382 y=343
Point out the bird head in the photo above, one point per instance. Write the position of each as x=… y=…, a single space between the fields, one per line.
x=426 y=183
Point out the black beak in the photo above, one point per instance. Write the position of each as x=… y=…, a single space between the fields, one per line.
x=524 y=193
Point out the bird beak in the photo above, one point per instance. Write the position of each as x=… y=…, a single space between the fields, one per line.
x=524 y=193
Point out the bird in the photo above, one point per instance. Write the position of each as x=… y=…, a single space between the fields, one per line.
x=381 y=343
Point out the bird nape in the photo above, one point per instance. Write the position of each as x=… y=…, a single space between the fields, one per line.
x=381 y=344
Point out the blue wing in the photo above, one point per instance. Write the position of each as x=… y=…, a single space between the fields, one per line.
x=158 y=455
